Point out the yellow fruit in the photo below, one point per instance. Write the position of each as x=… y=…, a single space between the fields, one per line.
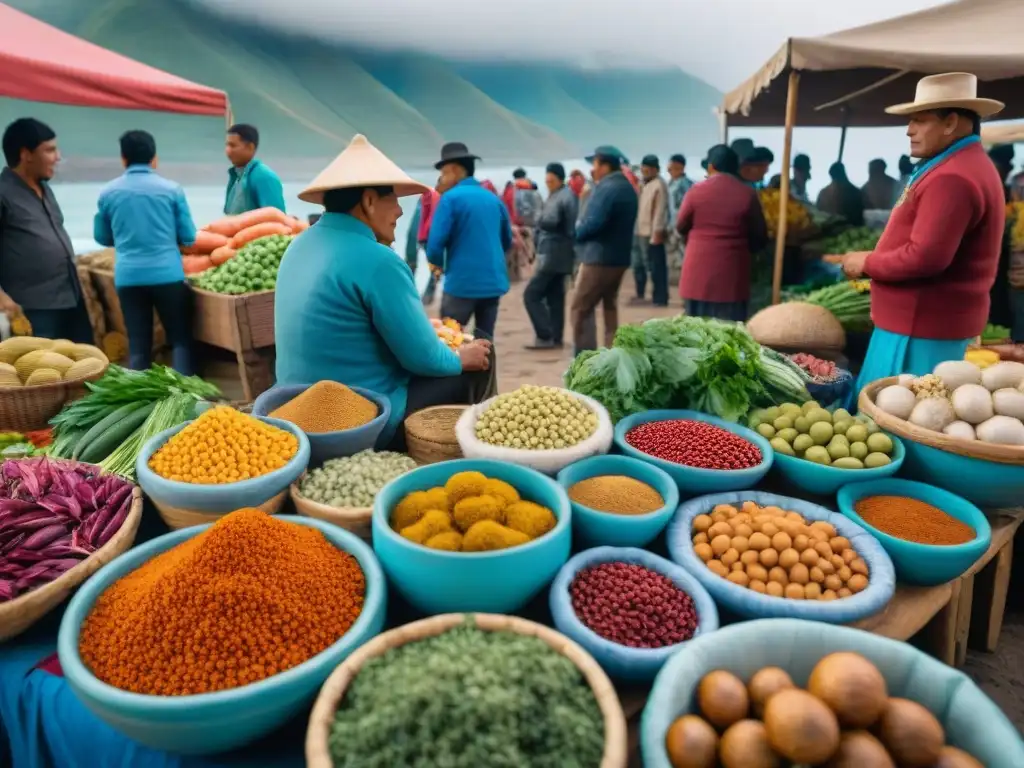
x=83 y=351
x=16 y=346
x=64 y=347
x=9 y=378
x=42 y=376
x=84 y=368
x=42 y=358
x=7 y=368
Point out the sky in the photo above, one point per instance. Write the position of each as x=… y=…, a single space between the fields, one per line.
x=722 y=41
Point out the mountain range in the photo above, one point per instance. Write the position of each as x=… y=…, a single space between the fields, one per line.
x=310 y=96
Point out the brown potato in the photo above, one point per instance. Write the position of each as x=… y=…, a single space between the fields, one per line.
x=701 y=538
x=825 y=526
x=757 y=572
x=844 y=573
x=817 y=575
x=720 y=544
x=799 y=574
x=788 y=558
x=801 y=542
x=795 y=592
x=749 y=557
x=837 y=561
x=769 y=529
x=737 y=566
x=730 y=556
x=781 y=541
x=839 y=543
x=757 y=586
x=823 y=549
x=809 y=557
x=829 y=594
x=760 y=541
x=849 y=555
x=769 y=558
x=716 y=567
x=812 y=591
x=743 y=529
x=844 y=592
x=774 y=589
x=703 y=551
x=859 y=566
x=858 y=583
x=778 y=575
x=739 y=577
x=719 y=517
x=740 y=543
x=816 y=534
x=720 y=529
x=702 y=523
x=833 y=582
x=826 y=566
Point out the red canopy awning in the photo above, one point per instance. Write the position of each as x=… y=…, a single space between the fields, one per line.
x=41 y=63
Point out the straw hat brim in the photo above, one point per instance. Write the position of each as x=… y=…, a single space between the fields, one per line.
x=983 y=107
x=403 y=188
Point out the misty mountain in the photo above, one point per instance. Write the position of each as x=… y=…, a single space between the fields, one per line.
x=308 y=97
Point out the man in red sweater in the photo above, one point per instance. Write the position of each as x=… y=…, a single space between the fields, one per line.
x=935 y=264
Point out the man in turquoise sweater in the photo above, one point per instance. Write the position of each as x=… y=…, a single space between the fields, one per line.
x=251 y=183
x=347 y=308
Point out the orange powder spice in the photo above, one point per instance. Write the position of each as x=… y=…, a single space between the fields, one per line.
x=913 y=520
x=249 y=597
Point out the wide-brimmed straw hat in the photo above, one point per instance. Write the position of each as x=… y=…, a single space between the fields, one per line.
x=953 y=90
x=361 y=165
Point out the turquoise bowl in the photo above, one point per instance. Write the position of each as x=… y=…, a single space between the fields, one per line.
x=970 y=719
x=226 y=497
x=208 y=723
x=924 y=564
x=988 y=484
x=621 y=661
x=330 y=445
x=824 y=480
x=694 y=480
x=502 y=581
x=595 y=528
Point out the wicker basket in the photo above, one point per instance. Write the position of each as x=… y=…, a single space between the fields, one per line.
x=26 y=409
x=430 y=434
x=21 y=613
x=177 y=518
x=333 y=691
x=973 y=449
x=354 y=519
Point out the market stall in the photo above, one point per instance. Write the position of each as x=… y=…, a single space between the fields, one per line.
x=846 y=79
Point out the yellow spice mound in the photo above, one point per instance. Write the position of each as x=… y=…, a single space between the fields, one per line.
x=224 y=446
x=327 y=406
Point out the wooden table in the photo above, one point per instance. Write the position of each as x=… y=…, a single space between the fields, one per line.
x=243 y=325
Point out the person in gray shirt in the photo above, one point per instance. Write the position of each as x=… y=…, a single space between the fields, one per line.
x=544 y=296
x=37 y=260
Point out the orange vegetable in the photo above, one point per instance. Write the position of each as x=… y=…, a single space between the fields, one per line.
x=206 y=242
x=256 y=231
x=195 y=264
x=227 y=226
x=262 y=216
x=299 y=226
x=222 y=254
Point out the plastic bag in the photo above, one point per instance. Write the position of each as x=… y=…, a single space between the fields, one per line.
x=548 y=462
x=747 y=603
x=620 y=661
x=971 y=720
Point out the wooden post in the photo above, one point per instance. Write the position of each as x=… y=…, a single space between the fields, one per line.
x=842 y=135
x=787 y=157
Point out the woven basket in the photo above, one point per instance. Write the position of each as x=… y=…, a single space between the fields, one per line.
x=615 y=739
x=178 y=518
x=22 y=612
x=973 y=449
x=26 y=409
x=430 y=434
x=354 y=519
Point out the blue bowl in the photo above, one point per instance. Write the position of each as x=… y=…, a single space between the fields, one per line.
x=924 y=564
x=749 y=604
x=825 y=480
x=971 y=720
x=596 y=528
x=330 y=445
x=986 y=483
x=693 y=480
x=620 y=661
x=226 y=497
x=213 y=722
x=502 y=581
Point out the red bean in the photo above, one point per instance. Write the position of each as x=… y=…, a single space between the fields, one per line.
x=695 y=444
x=633 y=605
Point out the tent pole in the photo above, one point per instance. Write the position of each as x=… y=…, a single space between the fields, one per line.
x=787 y=153
x=842 y=135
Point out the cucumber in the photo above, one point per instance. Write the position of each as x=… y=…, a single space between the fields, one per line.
x=99 y=427
x=116 y=434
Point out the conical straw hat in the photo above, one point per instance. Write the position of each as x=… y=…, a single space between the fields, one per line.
x=361 y=165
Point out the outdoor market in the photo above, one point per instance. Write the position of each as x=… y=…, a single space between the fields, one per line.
x=706 y=543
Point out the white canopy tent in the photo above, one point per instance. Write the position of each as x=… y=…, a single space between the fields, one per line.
x=848 y=78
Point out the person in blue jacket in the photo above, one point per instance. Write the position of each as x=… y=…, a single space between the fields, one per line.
x=469 y=235
x=347 y=308
x=604 y=235
x=251 y=183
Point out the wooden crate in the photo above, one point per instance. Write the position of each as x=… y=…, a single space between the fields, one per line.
x=243 y=325
x=100 y=294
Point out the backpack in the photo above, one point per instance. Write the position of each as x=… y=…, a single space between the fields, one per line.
x=528 y=204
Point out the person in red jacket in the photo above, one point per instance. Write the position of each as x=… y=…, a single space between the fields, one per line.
x=935 y=264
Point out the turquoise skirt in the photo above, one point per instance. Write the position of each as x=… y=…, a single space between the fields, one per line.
x=890 y=354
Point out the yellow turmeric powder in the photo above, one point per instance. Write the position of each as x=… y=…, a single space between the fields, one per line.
x=327 y=406
x=249 y=597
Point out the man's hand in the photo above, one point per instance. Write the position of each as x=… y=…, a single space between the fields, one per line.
x=9 y=306
x=657 y=237
x=853 y=263
x=475 y=356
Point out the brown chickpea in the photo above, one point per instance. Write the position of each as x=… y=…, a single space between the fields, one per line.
x=796 y=517
x=799 y=574
x=703 y=551
x=737 y=566
x=740 y=517
x=839 y=543
x=740 y=544
x=716 y=567
x=701 y=538
x=778 y=576
x=849 y=555
x=837 y=561
x=720 y=529
x=719 y=517
x=859 y=566
x=729 y=557
x=769 y=558
x=844 y=592
x=760 y=542
x=816 y=534
x=788 y=527
x=795 y=592
x=758 y=586
x=812 y=591
x=833 y=582
x=801 y=542
x=739 y=577
x=757 y=572
x=749 y=557
x=823 y=549
x=750 y=508
x=724 y=509
x=817 y=575
x=781 y=541
x=809 y=557
x=829 y=594
x=825 y=526
x=769 y=529
x=702 y=523
x=720 y=544
x=788 y=558
x=826 y=566
x=858 y=583
x=844 y=573
x=774 y=589
x=743 y=529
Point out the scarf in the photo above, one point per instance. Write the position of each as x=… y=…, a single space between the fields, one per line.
x=923 y=168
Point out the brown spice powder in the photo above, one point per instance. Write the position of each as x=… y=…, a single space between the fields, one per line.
x=617 y=494
x=913 y=520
